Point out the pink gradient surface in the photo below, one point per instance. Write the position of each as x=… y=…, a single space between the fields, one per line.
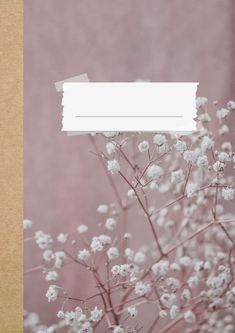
x=110 y=41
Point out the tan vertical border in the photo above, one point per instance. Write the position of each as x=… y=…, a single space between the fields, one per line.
x=11 y=197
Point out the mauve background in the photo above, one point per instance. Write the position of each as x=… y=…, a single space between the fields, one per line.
x=121 y=40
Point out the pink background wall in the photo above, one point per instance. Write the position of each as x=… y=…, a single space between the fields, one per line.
x=121 y=40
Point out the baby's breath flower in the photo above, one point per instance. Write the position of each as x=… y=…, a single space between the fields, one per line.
x=60 y=257
x=180 y=146
x=82 y=228
x=132 y=311
x=102 y=209
x=62 y=238
x=231 y=105
x=110 y=223
x=43 y=240
x=189 y=317
x=174 y=311
x=222 y=113
x=139 y=257
x=118 y=329
x=159 y=139
x=110 y=134
x=112 y=253
x=191 y=190
x=113 y=166
x=142 y=289
x=161 y=268
x=168 y=299
x=228 y=193
x=52 y=293
x=177 y=176
x=48 y=255
x=163 y=313
x=83 y=254
x=201 y=101
x=202 y=161
x=129 y=254
x=143 y=146
x=154 y=171
x=51 y=276
x=96 y=314
x=110 y=147
x=207 y=143
x=224 y=157
x=60 y=314
x=27 y=224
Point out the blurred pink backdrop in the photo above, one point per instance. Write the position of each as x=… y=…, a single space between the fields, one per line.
x=110 y=41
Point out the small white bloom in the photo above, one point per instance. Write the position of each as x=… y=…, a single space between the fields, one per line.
x=185 y=261
x=143 y=146
x=161 y=268
x=223 y=129
x=228 y=193
x=189 y=317
x=174 y=311
x=60 y=257
x=27 y=224
x=202 y=161
x=51 y=276
x=43 y=240
x=139 y=257
x=96 y=314
x=110 y=134
x=186 y=295
x=201 y=101
x=112 y=253
x=48 y=255
x=110 y=147
x=154 y=171
x=60 y=314
x=191 y=156
x=118 y=329
x=70 y=317
x=224 y=157
x=231 y=105
x=131 y=193
x=82 y=228
x=113 y=166
x=110 y=223
x=222 y=113
x=180 y=146
x=168 y=300
x=52 y=293
x=102 y=209
x=163 y=313
x=115 y=270
x=127 y=236
x=86 y=328
x=218 y=166
x=132 y=311
x=142 y=289
x=193 y=281
x=191 y=190
x=83 y=254
x=177 y=176
x=124 y=270
x=159 y=139
x=207 y=143
x=96 y=244
x=62 y=238
x=129 y=254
